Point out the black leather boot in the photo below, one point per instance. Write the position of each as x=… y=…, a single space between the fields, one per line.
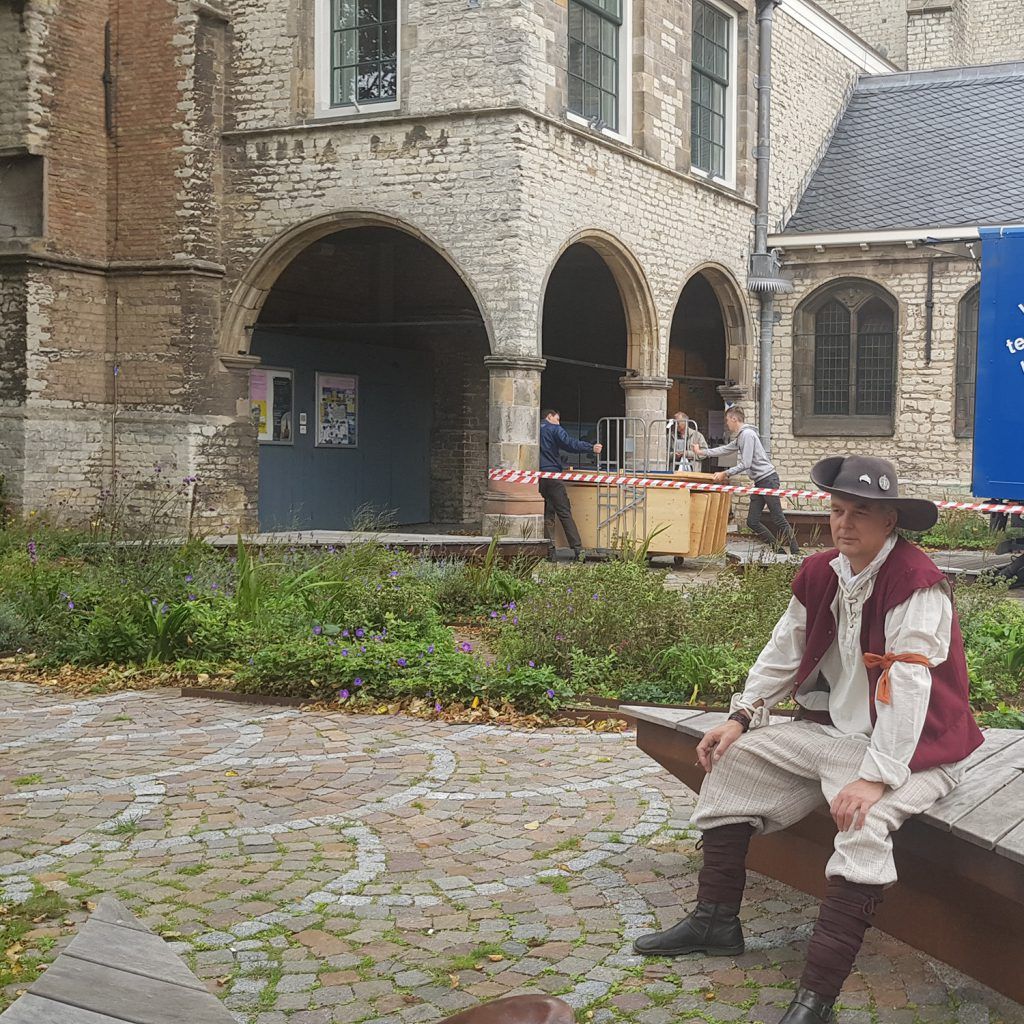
x=712 y=929
x=809 y=1008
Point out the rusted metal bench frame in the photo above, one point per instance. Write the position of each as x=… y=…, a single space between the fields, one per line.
x=956 y=900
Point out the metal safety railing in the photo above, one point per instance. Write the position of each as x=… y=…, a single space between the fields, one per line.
x=634 y=447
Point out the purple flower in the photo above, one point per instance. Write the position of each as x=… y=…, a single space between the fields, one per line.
x=465 y=647
x=515 y=620
x=568 y=590
x=189 y=578
x=392 y=574
x=360 y=633
x=344 y=632
x=357 y=681
x=191 y=597
x=317 y=630
x=597 y=597
x=430 y=649
x=402 y=663
x=343 y=694
x=362 y=648
x=330 y=549
x=164 y=609
x=494 y=615
x=550 y=693
x=531 y=664
x=559 y=636
x=437 y=705
x=152 y=600
x=344 y=652
x=213 y=586
x=511 y=606
x=71 y=606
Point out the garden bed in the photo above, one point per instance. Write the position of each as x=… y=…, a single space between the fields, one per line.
x=369 y=628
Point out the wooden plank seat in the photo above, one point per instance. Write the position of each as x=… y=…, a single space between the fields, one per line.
x=960 y=897
x=116 y=970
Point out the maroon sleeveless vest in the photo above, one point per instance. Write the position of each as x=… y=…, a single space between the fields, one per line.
x=950 y=732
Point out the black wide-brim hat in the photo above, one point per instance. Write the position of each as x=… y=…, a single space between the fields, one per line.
x=864 y=478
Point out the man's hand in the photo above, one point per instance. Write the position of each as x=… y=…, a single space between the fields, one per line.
x=696 y=450
x=598 y=448
x=852 y=803
x=720 y=477
x=716 y=742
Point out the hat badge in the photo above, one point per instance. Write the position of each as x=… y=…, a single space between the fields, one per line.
x=864 y=479
x=883 y=482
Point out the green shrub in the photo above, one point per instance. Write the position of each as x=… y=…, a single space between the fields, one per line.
x=15 y=631
x=617 y=608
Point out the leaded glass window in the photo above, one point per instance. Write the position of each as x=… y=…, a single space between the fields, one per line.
x=966 y=365
x=364 y=51
x=844 y=361
x=832 y=360
x=594 y=30
x=709 y=85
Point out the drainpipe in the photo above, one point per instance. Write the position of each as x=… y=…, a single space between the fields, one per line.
x=929 y=313
x=765 y=279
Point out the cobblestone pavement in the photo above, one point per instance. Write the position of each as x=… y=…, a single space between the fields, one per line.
x=318 y=868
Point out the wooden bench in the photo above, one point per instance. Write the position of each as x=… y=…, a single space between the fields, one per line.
x=116 y=970
x=960 y=897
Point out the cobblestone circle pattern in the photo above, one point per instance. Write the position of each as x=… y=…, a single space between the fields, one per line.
x=321 y=868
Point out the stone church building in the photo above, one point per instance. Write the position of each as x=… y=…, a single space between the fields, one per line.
x=323 y=255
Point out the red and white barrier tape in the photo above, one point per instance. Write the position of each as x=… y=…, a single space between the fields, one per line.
x=530 y=476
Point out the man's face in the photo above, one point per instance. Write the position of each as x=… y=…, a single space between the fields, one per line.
x=733 y=424
x=860 y=528
x=680 y=420
x=554 y=417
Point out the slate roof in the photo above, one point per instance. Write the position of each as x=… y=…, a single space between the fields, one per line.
x=924 y=149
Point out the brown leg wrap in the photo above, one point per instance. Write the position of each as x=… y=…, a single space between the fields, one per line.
x=843 y=918
x=724 y=874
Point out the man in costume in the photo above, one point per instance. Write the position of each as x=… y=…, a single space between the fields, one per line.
x=870 y=649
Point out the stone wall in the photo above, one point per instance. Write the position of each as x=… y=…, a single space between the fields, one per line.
x=880 y=23
x=804 y=112
x=923 y=446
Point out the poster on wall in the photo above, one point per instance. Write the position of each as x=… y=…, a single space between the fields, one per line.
x=336 y=416
x=270 y=404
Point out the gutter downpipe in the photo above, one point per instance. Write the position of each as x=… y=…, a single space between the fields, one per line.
x=764 y=280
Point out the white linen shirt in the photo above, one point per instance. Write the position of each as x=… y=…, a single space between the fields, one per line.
x=920 y=625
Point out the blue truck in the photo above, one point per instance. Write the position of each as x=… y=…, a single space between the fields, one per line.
x=998 y=458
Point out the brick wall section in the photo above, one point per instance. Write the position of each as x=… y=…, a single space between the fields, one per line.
x=13 y=317
x=803 y=117
x=922 y=446
x=24 y=78
x=996 y=31
x=880 y=23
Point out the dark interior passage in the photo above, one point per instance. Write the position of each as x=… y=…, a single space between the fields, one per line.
x=584 y=324
x=697 y=355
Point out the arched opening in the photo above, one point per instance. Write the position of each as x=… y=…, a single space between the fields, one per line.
x=698 y=356
x=584 y=341
x=598 y=326
x=371 y=393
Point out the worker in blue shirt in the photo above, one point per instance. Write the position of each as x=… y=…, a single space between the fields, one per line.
x=553 y=441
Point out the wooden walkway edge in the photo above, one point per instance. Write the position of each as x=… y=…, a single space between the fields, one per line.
x=116 y=971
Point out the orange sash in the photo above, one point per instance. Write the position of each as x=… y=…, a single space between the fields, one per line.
x=883 y=694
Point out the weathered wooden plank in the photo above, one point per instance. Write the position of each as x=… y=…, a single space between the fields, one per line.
x=700 y=725
x=128 y=949
x=126 y=996
x=992 y=819
x=31 y=1009
x=1011 y=845
x=974 y=790
x=668 y=717
x=112 y=911
x=1001 y=746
